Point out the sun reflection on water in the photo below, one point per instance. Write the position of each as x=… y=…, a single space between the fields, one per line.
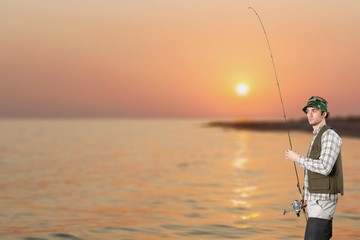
x=244 y=192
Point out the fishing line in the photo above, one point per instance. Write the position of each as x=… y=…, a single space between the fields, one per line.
x=281 y=99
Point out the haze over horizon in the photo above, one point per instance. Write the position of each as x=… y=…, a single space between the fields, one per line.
x=176 y=59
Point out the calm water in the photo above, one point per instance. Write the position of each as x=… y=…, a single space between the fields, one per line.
x=155 y=179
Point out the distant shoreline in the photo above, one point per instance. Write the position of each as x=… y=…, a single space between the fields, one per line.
x=345 y=126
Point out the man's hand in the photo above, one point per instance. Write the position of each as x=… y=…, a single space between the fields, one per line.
x=291 y=155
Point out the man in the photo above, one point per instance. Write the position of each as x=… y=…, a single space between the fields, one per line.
x=323 y=171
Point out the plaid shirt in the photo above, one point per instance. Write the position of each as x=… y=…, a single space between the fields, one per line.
x=330 y=148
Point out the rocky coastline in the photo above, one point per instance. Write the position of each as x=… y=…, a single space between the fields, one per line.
x=345 y=126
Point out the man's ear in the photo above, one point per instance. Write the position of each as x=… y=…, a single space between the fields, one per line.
x=325 y=114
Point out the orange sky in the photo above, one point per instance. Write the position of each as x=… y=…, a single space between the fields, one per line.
x=176 y=58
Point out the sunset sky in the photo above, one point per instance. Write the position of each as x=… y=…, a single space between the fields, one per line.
x=176 y=58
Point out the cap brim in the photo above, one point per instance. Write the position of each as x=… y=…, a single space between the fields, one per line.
x=309 y=105
x=315 y=106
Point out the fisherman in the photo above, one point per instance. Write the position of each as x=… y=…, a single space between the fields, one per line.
x=323 y=171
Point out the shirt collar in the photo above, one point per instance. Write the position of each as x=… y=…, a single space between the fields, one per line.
x=315 y=132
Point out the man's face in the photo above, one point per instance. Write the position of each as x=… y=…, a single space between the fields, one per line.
x=314 y=116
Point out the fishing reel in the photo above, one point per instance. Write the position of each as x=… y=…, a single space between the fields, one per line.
x=296 y=206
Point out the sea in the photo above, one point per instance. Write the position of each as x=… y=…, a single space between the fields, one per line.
x=149 y=179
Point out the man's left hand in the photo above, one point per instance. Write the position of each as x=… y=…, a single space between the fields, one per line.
x=291 y=155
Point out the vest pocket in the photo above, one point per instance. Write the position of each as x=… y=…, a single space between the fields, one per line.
x=319 y=183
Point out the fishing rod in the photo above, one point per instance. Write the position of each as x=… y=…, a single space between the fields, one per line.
x=297 y=205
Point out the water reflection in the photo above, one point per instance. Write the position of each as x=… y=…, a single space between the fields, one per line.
x=154 y=180
x=240 y=162
x=244 y=192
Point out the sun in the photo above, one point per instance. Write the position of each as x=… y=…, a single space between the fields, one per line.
x=242 y=89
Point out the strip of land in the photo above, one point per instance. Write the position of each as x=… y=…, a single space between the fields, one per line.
x=345 y=126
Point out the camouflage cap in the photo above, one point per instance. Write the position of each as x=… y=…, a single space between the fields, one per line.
x=317 y=102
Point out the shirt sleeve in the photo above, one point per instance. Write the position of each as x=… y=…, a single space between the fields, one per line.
x=330 y=149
